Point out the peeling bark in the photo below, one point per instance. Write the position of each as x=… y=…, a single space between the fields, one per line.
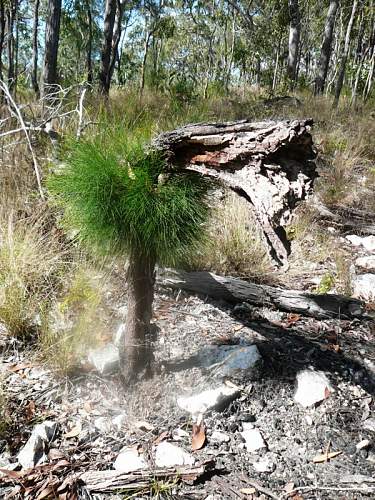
x=268 y=163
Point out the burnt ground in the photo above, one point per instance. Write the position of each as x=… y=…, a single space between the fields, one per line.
x=86 y=406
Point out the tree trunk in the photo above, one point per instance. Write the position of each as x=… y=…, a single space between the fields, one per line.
x=51 y=45
x=294 y=39
x=10 y=44
x=136 y=350
x=117 y=30
x=34 y=71
x=109 y=21
x=325 y=53
x=144 y=61
x=2 y=35
x=341 y=75
x=89 y=45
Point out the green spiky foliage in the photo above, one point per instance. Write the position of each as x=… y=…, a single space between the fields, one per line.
x=111 y=192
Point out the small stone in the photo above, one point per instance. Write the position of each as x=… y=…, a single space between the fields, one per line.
x=32 y=453
x=103 y=424
x=264 y=465
x=365 y=443
x=169 y=455
x=253 y=440
x=364 y=286
x=119 y=421
x=129 y=460
x=220 y=437
x=208 y=400
x=246 y=426
x=367 y=262
x=105 y=359
x=369 y=424
x=312 y=387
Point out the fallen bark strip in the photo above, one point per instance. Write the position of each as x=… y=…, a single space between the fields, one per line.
x=269 y=163
x=234 y=290
x=112 y=480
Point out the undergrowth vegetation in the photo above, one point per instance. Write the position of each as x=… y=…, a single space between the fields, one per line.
x=44 y=278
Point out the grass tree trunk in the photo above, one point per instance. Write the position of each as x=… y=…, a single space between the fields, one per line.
x=325 y=53
x=136 y=351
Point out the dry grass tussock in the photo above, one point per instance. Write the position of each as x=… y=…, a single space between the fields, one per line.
x=49 y=288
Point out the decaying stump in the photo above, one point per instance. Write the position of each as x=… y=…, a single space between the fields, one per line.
x=269 y=163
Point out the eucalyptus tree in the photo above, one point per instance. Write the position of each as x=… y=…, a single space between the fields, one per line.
x=34 y=70
x=52 y=38
x=325 y=53
x=294 y=39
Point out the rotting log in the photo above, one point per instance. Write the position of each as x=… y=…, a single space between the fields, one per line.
x=234 y=290
x=269 y=163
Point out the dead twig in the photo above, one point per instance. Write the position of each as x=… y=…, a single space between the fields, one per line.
x=325 y=488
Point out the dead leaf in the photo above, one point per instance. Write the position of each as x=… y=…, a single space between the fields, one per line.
x=74 y=431
x=248 y=491
x=318 y=459
x=327 y=392
x=198 y=437
x=87 y=406
x=143 y=425
x=334 y=347
x=55 y=454
x=292 y=319
x=237 y=328
x=161 y=437
x=30 y=410
x=45 y=493
x=19 y=366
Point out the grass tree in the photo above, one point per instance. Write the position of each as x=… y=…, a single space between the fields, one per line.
x=113 y=191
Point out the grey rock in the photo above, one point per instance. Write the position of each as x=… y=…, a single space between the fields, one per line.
x=237 y=362
x=33 y=453
x=210 y=399
x=220 y=437
x=253 y=440
x=264 y=465
x=364 y=286
x=367 y=262
x=312 y=387
x=368 y=242
x=105 y=359
x=369 y=424
x=169 y=455
x=129 y=460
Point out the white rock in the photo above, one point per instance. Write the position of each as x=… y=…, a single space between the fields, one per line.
x=119 y=420
x=103 y=424
x=208 y=400
x=368 y=242
x=169 y=455
x=179 y=434
x=118 y=335
x=33 y=452
x=129 y=460
x=369 y=424
x=253 y=440
x=364 y=286
x=105 y=359
x=366 y=262
x=231 y=361
x=264 y=465
x=312 y=387
x=220 y=437
x=365 y=443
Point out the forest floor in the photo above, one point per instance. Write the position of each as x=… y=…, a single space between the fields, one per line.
x=96 y=418
x=322 y=451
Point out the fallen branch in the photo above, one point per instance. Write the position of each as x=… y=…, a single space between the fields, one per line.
x=234 y=290
x=269 y=163
x=111 y=480
x=357 y=489
x=347 y=219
